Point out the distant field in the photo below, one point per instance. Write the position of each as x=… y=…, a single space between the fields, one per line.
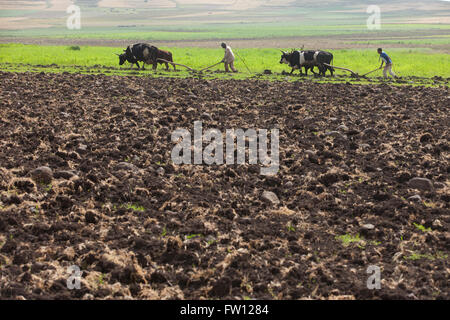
x=441 y=40
x=230 y=31
x=412 y=62
x=335 y=24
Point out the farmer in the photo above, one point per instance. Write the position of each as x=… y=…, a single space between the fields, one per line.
x=228 y=59
x=386 y=60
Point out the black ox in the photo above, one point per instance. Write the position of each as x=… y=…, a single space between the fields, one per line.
x=308 y=60
x=139 y=52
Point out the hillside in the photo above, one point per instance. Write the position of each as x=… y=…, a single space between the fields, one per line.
x=19 y=15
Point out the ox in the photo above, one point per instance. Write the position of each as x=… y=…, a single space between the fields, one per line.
x=308 y=60
x=139 y=52
x=165 y=55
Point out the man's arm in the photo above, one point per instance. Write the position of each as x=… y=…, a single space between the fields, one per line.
x=225 y=56
x=382 y=61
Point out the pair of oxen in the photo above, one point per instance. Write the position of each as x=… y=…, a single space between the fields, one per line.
x=147 y=54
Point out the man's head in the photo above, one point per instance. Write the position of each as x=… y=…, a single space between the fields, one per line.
x=380 y=51
x=224 y=45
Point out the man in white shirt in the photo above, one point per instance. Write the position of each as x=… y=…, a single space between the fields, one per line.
x=228 y=58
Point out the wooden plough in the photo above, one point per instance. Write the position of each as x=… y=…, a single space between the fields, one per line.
x=352 y=72
x=216 y=64
x=189 y=68
x=176 y=64
x=345 y=69
x=365 y=74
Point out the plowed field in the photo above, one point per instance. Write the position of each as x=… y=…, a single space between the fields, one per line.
x=110 y=201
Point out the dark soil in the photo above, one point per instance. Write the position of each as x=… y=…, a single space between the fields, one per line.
x=198 y=231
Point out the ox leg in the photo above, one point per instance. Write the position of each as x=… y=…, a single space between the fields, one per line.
x=167 y=66
x=325 y=68
x=331 y=71
x=321 y=70
x=293 y=69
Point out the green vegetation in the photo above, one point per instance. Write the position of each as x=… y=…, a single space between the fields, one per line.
x=101 y=279
x=36 y=210
x=192 y=236
x=439 y=40
x=348 y=239
x=421 y=227
x=428 y=204
x=417 y=256
x=21 y=58
x=214 y=20
x=226 y=30
x=134 y=207
x=290 y=227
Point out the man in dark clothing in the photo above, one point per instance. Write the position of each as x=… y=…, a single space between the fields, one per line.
x=386 y=60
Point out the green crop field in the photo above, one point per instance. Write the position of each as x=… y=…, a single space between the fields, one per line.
x=407 y=62
x=441 y=40
x=207 y=20
x=226 y=31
